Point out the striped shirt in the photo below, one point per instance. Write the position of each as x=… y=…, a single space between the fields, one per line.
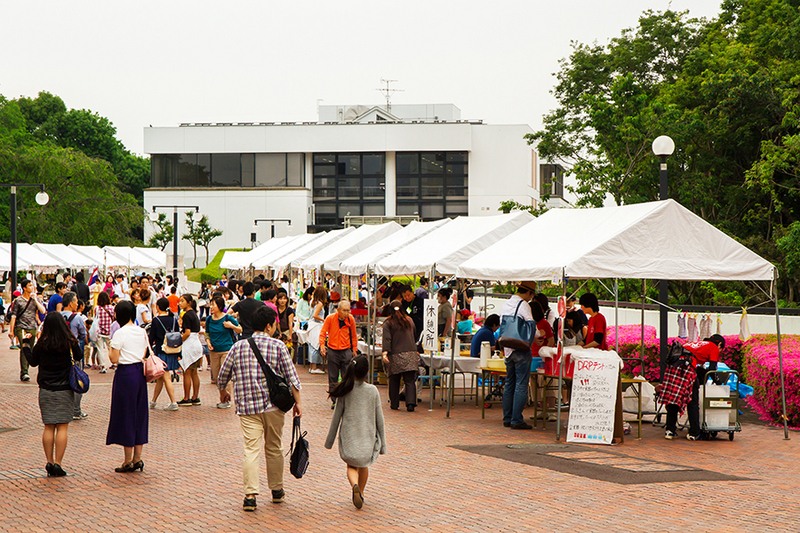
x=250 y=389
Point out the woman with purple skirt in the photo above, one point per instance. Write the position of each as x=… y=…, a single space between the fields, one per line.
x=128 y=423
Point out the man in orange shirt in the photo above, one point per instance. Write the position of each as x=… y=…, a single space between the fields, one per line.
x=338 y=339
x=173 y=299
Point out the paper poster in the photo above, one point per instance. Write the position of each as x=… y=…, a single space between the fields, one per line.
x=594 y=396
x=430 y=337
x=354 y=287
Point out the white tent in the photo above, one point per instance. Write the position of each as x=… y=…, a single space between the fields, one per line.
x=329 y=258
x=31 y=257
x=5 y=259
x=654 y=240
x=450 y=245
x=94 y=253
x=269 y=247
x=154 y=253
x=70 y=257
x=234 y=260
x=263 y=262
x=358 y=263
x=124 y=256
x=293 y=258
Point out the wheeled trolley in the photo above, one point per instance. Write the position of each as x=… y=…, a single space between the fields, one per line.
x=719 y=404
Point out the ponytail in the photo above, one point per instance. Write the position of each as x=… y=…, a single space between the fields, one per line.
x=357 y=368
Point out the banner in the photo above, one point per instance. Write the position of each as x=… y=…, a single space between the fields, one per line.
x=594 y=397
x=430 y=335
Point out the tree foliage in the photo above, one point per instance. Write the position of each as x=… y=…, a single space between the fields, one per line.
x=199 y=233
x=726 y=90
x=164 y=235
x=87 y=205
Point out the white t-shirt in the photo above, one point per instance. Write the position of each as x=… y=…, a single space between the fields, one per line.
x=131 y=341
x=143 y=309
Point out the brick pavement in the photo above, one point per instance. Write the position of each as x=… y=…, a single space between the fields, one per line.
x=192 y=476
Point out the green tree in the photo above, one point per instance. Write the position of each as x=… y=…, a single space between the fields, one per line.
x=199 y=233
x=164 y=235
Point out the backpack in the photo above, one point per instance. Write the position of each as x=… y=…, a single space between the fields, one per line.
x=173 y=340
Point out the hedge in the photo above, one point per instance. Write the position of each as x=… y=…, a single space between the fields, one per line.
x=763 y=374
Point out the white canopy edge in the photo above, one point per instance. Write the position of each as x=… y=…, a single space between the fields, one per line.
x=234 y=260
x=329 y=258
x=94 y=253
x=263 y=250
x=31 y=257
x=125 y=256
x=450 y=245
x=294 y=257
x=653 y=240
x=71 y=258
x=154 y=253
x=359 y=263
x=262 y=263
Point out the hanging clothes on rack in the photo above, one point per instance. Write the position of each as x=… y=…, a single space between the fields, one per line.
x=744 y=328
x=719 y=324
x=705 y=327
x=682 y=325
x=693 y=333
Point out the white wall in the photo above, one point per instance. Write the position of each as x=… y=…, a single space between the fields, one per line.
x=233 y=212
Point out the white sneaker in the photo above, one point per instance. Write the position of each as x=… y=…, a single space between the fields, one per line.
x=152 y=405
x=317 y=371
x=224 y=405
x=25 y=377
x=669 y=435
x=171 y=407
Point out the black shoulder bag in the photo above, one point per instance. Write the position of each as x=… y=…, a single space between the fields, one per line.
x=298 y=463
x=280 y=392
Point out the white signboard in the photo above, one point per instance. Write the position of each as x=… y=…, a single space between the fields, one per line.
x=430 y=334
x=594 y=396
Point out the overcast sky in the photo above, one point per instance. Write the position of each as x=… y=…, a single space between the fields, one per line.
x=166 y=62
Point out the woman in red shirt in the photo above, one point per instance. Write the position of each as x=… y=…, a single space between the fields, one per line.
x=545 y=337
x=596 y=331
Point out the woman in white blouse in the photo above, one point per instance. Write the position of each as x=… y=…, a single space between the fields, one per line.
x=128 y=423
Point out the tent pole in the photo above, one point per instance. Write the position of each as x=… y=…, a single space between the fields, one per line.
x=374 y=318
x=616 y=315
x=641 y=346
x=430 y=366
x=369 y=341
x=559 y=348
x=780 y=357
x=451 y=388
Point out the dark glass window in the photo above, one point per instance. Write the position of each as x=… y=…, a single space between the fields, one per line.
x=432 y=184
x=345 y=184
x=248 y=170
x=373 y=164
x=204 y=170
x=157 y=171
x=296 y=170
x=226 y=170
x=187 y=170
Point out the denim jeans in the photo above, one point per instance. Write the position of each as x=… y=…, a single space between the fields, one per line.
x=515 y=390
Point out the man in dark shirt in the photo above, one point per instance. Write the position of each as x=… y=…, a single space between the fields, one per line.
x=54 y=303
x=81 y=288
x=416 y=307
x=244 y=310
x=485 y=334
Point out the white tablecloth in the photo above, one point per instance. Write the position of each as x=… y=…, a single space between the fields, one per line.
x=462 y=364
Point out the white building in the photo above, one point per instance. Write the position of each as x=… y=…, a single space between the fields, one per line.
x=419 y=160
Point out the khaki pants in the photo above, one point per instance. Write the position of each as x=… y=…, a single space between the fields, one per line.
x=268 y=426
x=217 y=358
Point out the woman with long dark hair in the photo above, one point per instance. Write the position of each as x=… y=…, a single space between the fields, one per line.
x=191 y=351
x=358 y=419
x=400 y=355
x=104 y=313
x=318 y=312
x=128 y=422
x=55 y=353
x=162 y=323
x=285 y=317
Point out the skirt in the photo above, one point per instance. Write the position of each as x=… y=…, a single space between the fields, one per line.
x=56 y=406
x=171 y=359
x=403 y=362
x=191 y=351
x=128 y=423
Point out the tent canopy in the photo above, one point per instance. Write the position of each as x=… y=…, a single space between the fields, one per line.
x=71 y=258
x=294 y=258
x=358 y=264
x=450 y=245
x=268 y=247
x=234 y=260
x=154 y=253
x=30 y=257
x=330 y=257
x=94 y=253
x=263 y=262
x=124 y=256
x=653 y=240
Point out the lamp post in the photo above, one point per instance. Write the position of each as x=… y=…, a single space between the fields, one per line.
x=663 y=147
x=272 y=222
x=41 y=198
x=196 y=217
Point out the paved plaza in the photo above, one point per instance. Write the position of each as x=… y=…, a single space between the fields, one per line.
x=457 y=474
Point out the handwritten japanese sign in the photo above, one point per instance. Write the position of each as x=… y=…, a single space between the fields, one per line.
x=594 y=397
x=430 y=337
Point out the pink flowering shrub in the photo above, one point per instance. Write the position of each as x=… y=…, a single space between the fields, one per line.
x=763 y=374
x=630 y=338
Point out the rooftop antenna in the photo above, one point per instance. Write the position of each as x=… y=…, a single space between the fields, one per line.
x=387 y=92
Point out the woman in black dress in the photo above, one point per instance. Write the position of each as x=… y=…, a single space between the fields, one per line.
x=54 y=354
x=163 y=322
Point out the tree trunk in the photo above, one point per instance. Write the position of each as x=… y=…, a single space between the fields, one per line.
x=206 y=249
x=194 y=253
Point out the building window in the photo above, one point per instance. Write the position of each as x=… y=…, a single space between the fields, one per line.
x=432 y=185
x=348 y=184
x=552 y=180
x=227 y=170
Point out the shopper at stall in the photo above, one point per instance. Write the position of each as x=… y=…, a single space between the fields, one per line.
x=485 y=334
x=422 y=290
x=415 y=307
x=338 y=341
x=445 y=315
x=677 y=381
x=54 y=303
x=544 y=333
x=465 y=322
x=400 y=355
x=518 y=362
x=596 y=331
x=24 y=321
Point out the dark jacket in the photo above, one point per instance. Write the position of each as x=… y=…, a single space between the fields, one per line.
x=397 y=339
x=54 y=367
x=416 y=310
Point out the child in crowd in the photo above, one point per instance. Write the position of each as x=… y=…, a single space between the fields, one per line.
x=465 y=322
x=358 y=419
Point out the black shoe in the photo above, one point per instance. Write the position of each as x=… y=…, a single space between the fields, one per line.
x=249 y=504
x=49 y=468
x=394 y=408
x=127 y=467
x=507 y=424
x=58 y=471
x=358 y=499
x=138 y=465
x=410 y=408
x=184 y=403
x=521 y=426
x=196 y=401
x=278 y=495
x=402 y=396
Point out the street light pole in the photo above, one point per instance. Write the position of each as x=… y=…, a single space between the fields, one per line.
x=41 y=198
x=663 y=147
x=272 y=222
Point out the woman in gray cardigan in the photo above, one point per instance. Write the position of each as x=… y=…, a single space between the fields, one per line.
x=361 y=437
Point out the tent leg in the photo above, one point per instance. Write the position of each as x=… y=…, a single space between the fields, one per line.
x=780 y=358
x=641 y=347
x=559 y=349
x=430 y=367
x=616 y=315
x=450 y=389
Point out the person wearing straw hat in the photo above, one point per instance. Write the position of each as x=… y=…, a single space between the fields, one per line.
x=518 y=362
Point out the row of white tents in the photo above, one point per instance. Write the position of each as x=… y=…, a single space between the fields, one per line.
x=44 y=257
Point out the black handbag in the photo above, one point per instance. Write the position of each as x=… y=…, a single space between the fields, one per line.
x=280 y=392
x=298 y=463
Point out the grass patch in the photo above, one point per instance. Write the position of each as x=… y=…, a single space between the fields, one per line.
x=213 y=272
x=193 y=274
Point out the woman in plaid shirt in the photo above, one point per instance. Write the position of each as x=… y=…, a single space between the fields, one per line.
x=104 y=313
x=257 y=416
